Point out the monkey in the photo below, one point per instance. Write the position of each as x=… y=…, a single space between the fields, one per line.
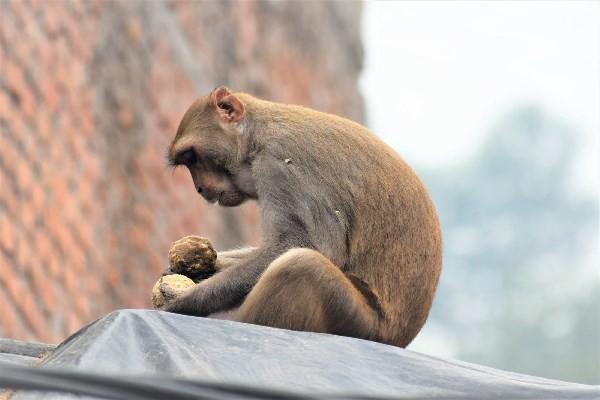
x=351 y=238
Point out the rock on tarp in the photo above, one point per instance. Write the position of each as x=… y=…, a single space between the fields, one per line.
x=145 y=343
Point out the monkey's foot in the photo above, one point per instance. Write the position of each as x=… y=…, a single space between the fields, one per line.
x=194 y=257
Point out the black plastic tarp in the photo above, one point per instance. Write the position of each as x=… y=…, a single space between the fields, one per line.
x=149 y=350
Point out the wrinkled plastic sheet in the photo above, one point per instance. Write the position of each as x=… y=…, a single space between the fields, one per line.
x=23 y=353
x=152 y=347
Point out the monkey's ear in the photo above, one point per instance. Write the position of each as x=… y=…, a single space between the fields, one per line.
x=229 y=107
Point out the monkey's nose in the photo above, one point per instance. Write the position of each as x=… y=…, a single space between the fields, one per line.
x=199 y=189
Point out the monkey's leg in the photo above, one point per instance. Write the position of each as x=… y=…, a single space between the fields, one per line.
x=303 y=290
x=229 y=258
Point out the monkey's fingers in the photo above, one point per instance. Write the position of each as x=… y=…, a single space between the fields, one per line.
x=168 y=292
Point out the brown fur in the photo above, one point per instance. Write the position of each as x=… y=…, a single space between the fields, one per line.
x=352 y=240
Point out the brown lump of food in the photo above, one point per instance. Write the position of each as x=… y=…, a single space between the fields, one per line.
x=194 y=257
x=169 y=287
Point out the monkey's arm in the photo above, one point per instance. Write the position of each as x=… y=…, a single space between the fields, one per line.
x=227 y=288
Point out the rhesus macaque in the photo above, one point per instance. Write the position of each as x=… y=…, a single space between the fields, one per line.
x=352 y=241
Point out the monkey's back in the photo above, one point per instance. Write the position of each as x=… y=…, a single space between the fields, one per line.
x=364 y=208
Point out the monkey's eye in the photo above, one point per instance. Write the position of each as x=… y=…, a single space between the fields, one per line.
x=188 y=157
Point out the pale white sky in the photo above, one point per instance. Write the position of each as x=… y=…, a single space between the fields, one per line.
x=438 y=75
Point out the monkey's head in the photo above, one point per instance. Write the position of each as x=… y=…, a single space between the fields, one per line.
x=209 y=143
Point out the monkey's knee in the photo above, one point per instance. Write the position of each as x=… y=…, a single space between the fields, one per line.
x=298 y=263
x=304 y=290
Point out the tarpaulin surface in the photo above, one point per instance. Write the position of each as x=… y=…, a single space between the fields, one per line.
x=147 y=344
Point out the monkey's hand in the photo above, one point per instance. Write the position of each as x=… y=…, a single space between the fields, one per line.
x=194 y=257
x=168 y=288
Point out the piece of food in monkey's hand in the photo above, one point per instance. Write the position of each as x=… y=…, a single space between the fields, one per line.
x=194 y=257
x=168 y=288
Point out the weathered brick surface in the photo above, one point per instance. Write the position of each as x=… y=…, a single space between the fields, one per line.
x=91 y=92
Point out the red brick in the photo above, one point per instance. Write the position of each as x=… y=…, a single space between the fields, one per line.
x=23 y=52
x=74 y=322
x=126 y=118
x=45 y=124
x=157 y=264
x=32 y=31
x=63 y=52
x=78 y=11
x=11 y=281
x=31 y=310
x=9 y=197
x=72 y=282
x=113 y=276
x=86 y=235
x=44 y=285
x=9 y=152
x=23 y=253
x=24 y=174
x=63 y=238
x=14 y=76
x=88 y=124
x=82 y=304
x=44 y=249
x=7 y=31
x=11 y=322
x=70 y=203
x=53 y=220
x=6 y=107
x=140 y=301
x=19 y=128
x=8 y=240
x=73 y=34
x=138 y=235
x=28 y=216
x=92 y=285
x=92 y=169
x=50 y=94
x=143 y=213
x=54 y=266
x=29 y=144
x=28 y=104
x=76 y=257
x=51 y=20
x=60 y=190
x=35 y=5
x=77 y=143
x=46 y=58
x=38 y=197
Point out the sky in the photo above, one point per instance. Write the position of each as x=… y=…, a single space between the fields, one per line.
x=439 y=75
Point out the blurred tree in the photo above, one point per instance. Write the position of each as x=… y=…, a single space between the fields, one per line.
x=519 y=290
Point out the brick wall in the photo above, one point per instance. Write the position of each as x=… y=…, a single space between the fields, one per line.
x=91 y=92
